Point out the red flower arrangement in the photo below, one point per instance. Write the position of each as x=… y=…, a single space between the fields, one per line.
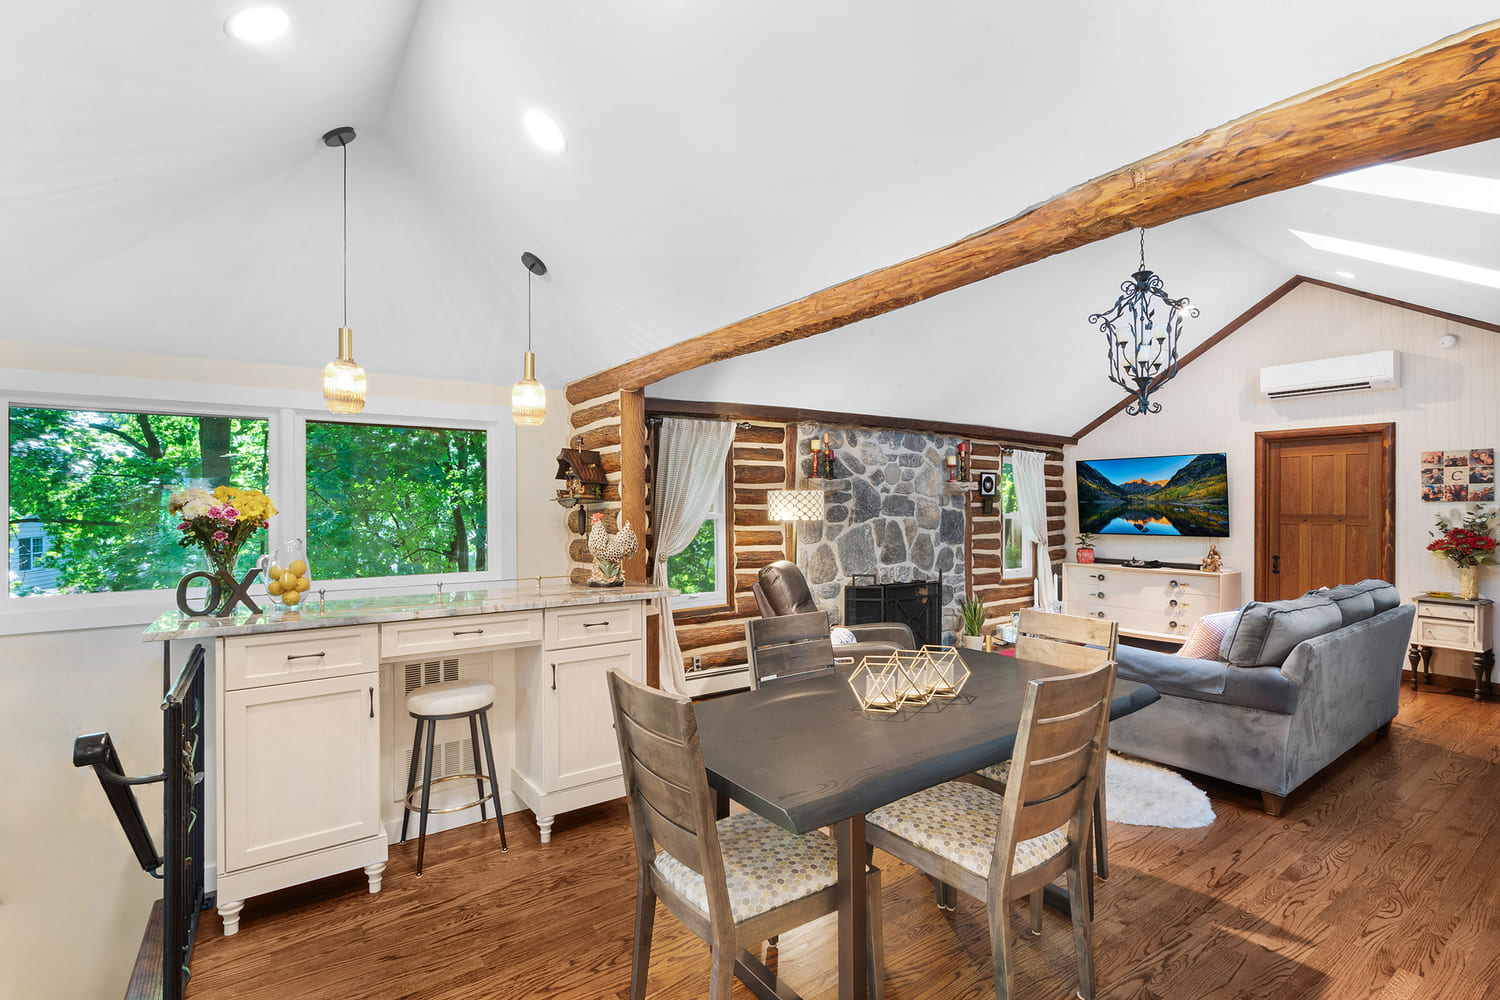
x=1468 y=543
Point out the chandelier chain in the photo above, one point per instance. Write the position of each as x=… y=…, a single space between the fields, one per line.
x=1143 y=248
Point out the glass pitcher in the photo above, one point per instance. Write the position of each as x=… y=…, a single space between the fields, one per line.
x=288 y=578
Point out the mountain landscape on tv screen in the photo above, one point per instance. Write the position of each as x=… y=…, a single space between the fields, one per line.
x=1115 y=497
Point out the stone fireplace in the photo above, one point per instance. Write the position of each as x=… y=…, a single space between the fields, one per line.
x=888 y=515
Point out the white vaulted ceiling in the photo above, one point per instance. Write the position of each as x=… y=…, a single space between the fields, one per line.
x=163 y=187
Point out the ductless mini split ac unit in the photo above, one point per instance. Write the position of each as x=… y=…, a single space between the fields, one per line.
x=1354 y=373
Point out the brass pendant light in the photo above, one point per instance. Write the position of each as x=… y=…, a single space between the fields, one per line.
x=343 y=378
x=528 y=398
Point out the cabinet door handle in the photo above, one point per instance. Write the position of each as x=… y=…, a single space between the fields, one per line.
x=1172 y=603
x=1174 y=584
x=594 y=624
x=1172 y=624
x=469 y=631
x=372 y=703
x=304 y=656
x=1276 y=564
x=554 y=677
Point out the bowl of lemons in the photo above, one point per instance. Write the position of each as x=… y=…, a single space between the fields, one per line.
x=288 y=577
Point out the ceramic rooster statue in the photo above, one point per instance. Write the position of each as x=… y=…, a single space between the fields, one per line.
x=609 y=551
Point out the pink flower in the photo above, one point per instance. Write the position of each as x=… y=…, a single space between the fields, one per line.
x=229 y=514
x=216 y=512
x=184 y=526
x=219 y=536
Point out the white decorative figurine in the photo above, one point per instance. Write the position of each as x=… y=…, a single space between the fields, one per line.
x=609 y=551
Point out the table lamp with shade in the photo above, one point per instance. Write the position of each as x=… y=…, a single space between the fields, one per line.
x=791 y=506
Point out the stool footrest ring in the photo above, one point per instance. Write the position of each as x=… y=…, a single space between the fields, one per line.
x=416 y=793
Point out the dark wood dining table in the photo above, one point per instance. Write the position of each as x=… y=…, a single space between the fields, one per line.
x=803 y=755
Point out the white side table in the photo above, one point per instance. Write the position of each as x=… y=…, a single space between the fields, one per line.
x=1454 y=623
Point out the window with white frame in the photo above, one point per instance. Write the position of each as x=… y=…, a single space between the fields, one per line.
x=1017 y=554
x=391 y=502
x=29 y=551
x=386 y=500
x=98 y=481
x=699 y=572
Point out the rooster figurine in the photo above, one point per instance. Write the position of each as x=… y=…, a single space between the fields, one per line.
x=609 y=551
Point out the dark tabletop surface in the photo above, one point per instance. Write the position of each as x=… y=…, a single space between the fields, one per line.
x=802 y=753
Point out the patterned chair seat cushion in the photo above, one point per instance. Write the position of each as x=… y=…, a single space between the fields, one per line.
x=765 y=866
x=957 y=821
x=999 y=773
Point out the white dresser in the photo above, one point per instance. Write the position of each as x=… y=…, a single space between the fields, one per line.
x=1150 y=603
x=1454 y=623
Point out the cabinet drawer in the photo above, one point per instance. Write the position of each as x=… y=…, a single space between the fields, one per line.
x=1452 y=612
x=1456 y=635
x=568 y=627
x=283 y=657
x=460 y=634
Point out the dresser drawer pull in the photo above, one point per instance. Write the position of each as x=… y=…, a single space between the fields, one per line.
x=304 y=656
x=1172 y=603
x=469 y=631
x=1099 y=595
x=1096 y=576
x=1173 y=583
x=1098 y=614
x=594 y=624
x=1172 y=624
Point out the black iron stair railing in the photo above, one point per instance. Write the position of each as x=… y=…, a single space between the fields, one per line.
x=180 y=867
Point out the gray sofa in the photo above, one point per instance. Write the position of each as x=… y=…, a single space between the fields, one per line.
x=1297 y=684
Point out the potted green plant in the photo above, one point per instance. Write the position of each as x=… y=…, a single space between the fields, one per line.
x=1085 y=543
x=971 y=613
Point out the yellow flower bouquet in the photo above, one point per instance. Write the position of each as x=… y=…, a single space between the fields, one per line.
x=220 y=522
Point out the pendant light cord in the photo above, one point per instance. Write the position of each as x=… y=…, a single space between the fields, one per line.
x=345 y=147
x=529 y=276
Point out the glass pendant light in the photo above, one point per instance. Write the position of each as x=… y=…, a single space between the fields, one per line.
x=343 y=378
x=528 y=399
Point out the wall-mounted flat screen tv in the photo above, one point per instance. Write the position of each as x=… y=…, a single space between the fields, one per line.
x=1167 y=495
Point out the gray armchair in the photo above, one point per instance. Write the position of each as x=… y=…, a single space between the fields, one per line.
x=781 y=589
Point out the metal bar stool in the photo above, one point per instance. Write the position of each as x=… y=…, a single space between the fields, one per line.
x=432 y=704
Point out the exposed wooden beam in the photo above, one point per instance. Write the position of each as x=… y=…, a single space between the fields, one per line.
x=1437 y=98
x=633 y=477
x=792 y=415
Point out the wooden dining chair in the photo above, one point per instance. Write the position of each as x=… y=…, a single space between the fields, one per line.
x=1000 y=848
x=734 y=882
x=1074 y=643
x=788 y=646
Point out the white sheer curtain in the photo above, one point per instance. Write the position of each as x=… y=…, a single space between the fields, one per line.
x=689 y=469
x=1031 y=500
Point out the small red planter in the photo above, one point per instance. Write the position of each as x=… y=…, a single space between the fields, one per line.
x=1085 y=555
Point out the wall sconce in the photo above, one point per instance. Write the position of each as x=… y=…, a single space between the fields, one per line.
x=791 y=506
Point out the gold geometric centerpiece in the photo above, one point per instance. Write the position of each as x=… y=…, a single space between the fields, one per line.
x=878 y=683
x=944 y=672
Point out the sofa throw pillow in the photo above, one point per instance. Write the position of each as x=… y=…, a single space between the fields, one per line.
x=1354 y=605
x=841 y=636
x=1207 y=635
x=1266 y=633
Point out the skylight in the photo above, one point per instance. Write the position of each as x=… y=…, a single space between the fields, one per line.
x=1402 y=258
x=1431 y=187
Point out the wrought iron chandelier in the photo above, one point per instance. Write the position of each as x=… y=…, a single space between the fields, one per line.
x=1142 y=353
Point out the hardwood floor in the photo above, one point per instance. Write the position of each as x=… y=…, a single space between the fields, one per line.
x=1381 y=880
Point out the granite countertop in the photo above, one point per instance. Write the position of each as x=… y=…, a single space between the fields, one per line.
x=396 y=608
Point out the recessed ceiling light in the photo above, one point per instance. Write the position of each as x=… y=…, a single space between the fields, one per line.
x=1432 y=187
x=1402 y=258
x=1344 y=274
x=257 y=24
x=545 y=132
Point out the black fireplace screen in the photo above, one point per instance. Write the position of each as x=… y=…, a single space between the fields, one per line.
x=917 y=604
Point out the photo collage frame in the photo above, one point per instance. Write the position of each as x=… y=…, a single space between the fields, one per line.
x=1458 y=476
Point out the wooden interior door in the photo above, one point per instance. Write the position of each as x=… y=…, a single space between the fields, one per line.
x=1324 y=508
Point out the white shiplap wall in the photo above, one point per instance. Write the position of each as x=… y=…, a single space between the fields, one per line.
x=1447 y=399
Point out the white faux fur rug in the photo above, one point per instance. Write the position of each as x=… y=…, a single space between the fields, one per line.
x=1144 y=794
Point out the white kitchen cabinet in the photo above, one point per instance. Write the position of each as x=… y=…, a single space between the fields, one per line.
x=566 y=753
x=299 y=763
x=1152 y=603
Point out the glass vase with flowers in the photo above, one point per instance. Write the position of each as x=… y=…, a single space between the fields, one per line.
x=220 y=523
x=1467 y=544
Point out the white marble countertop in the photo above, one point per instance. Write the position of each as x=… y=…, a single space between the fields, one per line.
x=397 y=608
